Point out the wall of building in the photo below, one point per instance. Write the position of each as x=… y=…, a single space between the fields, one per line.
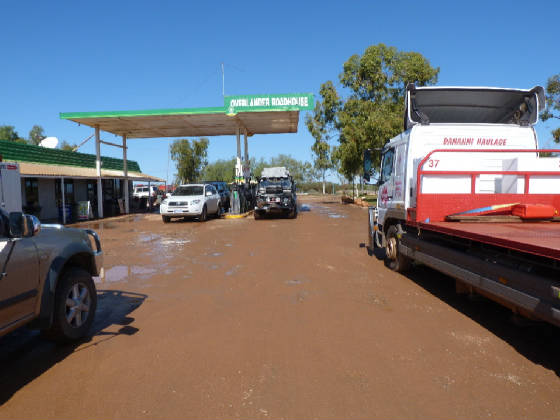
x=80 y=190
x=49 y=209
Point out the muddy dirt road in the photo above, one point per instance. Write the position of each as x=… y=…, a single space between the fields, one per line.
x=279 y=319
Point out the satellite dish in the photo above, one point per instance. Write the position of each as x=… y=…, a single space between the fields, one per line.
x=49 y=142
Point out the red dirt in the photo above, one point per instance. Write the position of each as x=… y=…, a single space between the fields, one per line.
x=279 y=319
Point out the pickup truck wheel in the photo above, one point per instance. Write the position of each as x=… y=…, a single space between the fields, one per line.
x=395 y=260
x=166 y=219
x=203 y=215
x=74 y=306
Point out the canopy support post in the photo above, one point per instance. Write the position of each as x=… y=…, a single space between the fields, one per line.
x=238 y=167
x=125 y=170
x=98 y=169
x=149 y=196
x=246 y=167
x=62 y=188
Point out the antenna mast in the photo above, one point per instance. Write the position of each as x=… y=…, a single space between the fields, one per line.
x=223 y=81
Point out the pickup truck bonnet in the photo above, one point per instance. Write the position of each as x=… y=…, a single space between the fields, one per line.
x=476 y=105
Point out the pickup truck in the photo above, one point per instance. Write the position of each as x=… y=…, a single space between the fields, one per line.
x=276 y=194
x=46 y=277
x=466 y=190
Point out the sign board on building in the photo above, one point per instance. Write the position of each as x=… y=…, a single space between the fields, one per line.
x=84 y=210
x=287 y=102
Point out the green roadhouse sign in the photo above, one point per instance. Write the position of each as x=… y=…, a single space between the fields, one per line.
x=287 y=102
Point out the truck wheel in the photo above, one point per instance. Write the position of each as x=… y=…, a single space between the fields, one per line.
x=74 y=306
x=166 y=219
x=257 y=215
x=203 y=215
x=395 y=260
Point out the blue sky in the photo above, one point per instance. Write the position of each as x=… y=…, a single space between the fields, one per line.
x=72 y=56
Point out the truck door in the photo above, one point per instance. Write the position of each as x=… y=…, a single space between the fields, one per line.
x=399 y=187
x=386 y=183
x=19 y=279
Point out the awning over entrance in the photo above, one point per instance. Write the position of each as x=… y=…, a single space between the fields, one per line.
x=28 y=169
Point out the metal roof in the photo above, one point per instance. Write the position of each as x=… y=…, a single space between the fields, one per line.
x=28 y=169
x=257 y=114
x=19 y=152
x=42 y=162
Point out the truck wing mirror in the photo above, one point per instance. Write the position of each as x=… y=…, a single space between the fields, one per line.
x=367 y=164
x=23 y=225
x=17 y=224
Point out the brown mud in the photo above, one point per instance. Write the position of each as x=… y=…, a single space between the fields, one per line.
x=279 y=319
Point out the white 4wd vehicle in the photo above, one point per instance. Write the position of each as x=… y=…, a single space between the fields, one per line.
x=142 y=191
x=191 y=200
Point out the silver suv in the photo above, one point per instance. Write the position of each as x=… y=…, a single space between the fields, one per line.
x=46 y=278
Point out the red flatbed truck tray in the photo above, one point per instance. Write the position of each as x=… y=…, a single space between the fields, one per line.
x=537 y=238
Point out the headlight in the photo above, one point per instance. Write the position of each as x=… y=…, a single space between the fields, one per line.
x=195 y=201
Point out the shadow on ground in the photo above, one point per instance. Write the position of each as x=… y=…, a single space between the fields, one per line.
x=24 y=355
x=537 y=341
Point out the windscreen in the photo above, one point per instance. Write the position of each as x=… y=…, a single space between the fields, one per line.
x=189 y=190
x=276 y=182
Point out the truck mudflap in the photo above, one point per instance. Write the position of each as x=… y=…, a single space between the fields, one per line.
x=535 y=295
x=376 y=239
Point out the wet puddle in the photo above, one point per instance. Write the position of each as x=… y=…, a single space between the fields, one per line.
x=120 y=273
x=336 y=216
x=148 y=238
x=328 y=211
x=233 y=270
x=169 y=241
x=297 y=280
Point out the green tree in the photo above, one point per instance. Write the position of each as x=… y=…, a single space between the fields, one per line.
x=553 y=104
x=322 y=123
x=300 y=171
x=36 y=135
x=372 y=111
x=190 y=157
x=64 y=145
x=8 y=132
x=220 y=170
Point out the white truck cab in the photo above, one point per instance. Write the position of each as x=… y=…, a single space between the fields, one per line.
x=470 y=120
x=10 y=187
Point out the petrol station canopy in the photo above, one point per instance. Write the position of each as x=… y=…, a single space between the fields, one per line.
x=253 y=114
x=245 y=114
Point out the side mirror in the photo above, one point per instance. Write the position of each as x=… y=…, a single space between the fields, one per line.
x=208 y=193
x=23 y=225
x=17 y=224
x=367 y=164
